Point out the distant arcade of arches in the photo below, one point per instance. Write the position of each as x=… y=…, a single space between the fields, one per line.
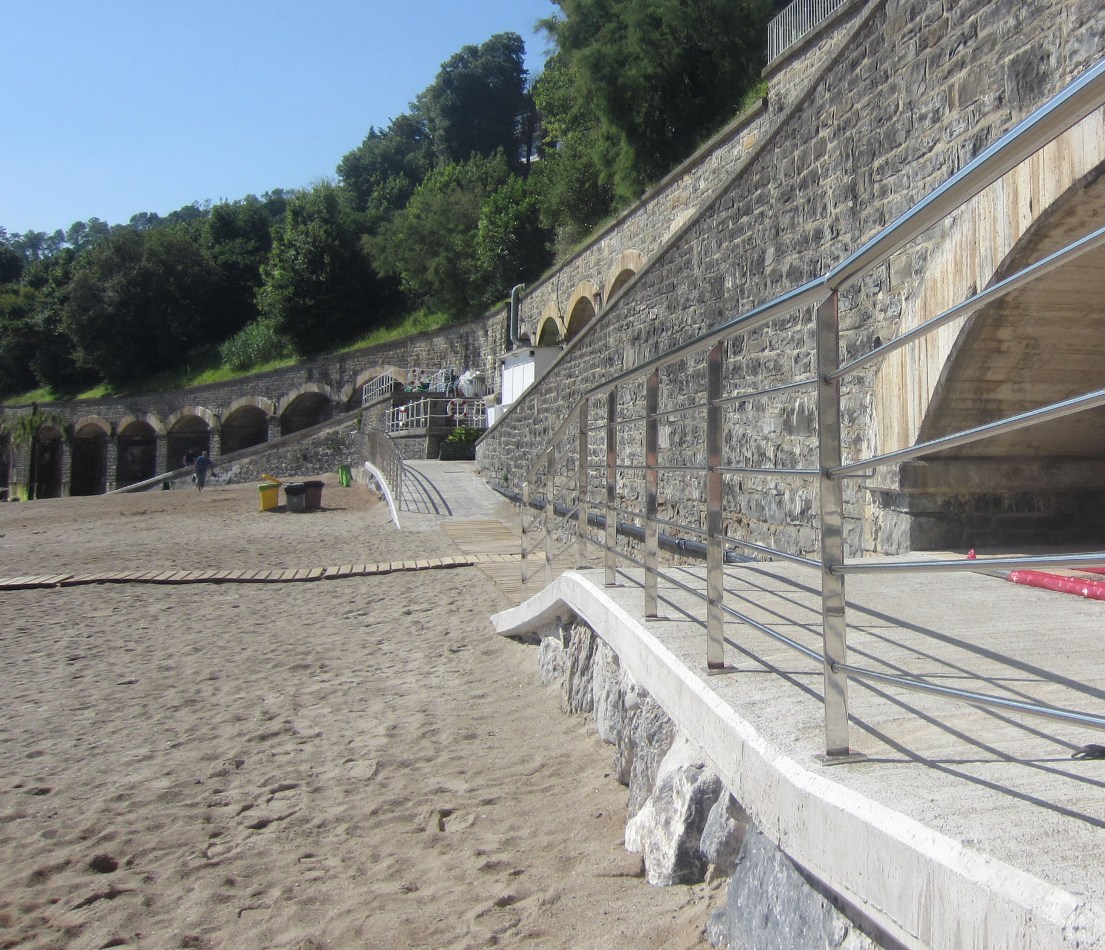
x=93 y=456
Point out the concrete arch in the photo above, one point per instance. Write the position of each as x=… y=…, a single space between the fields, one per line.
x=549 y=332
x=136 y=448
x=47 y=459
x=267 y=406
x=188 y=434
x=306 y=406
x=139 y=421
x=90 y=422
x=625 y=268
x=550 y=328
x=88 y=456
x=245 y=424
x=983 y=236
x=177 y=419
x=1040 y=345
x=582 y=307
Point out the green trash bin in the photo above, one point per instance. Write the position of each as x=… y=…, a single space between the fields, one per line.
x=345 y=477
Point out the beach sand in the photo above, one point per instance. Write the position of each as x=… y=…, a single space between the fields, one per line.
x=358 y=762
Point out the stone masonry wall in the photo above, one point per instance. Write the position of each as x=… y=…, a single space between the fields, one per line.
x=918 y=90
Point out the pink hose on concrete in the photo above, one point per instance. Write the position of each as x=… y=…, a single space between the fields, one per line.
x=1094 y=590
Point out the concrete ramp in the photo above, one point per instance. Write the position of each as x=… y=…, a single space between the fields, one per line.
x=962 y=826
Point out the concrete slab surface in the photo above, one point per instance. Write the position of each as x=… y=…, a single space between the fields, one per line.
x=963 y=826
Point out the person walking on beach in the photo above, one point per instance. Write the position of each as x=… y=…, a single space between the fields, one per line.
x=203 y=466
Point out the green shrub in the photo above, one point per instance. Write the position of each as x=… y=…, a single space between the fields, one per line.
x=256 y=343
x=463 y=435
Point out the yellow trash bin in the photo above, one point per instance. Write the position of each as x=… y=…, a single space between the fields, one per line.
x=270 y=495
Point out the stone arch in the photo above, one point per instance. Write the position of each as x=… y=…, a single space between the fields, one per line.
x=47 y=460
x=136 y=445
x=245 y=423
x=88 y=457
x=188 y=434
x=140 y=420
x=548 y=332
x=625 y=268
x=582 y=308
x=307 y=405
x=550 y=328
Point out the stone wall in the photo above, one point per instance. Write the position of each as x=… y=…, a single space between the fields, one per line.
x=681 y=818
x=913 y=92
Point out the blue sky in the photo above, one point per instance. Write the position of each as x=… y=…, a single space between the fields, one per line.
x=111 y=107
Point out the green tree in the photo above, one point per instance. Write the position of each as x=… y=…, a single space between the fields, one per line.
x=661 y=74
x=381 y=174
x=512 y=245
x=318 y=287
x=139 y=302
x=477 y=102
x=430 y=245
x=574 y=186
x=237 y=237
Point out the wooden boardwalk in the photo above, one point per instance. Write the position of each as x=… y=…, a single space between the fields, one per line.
x=287 y=575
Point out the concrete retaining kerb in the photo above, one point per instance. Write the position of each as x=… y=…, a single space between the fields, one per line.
x=922 y=887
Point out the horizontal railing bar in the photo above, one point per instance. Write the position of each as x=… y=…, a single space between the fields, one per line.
x=1022 y=420
x=798 y=384
x=771 y=552
x=975 y=699
x=1052 y=262
x=1070 y=106
x=1091 y=559
x=668 y=413
x=745 y=470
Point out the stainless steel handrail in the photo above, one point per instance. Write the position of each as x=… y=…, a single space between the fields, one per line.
x=1079 y=99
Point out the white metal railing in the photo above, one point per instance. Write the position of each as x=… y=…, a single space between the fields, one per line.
x=436 y=413
x=386 y=465
x=795 y=21
x=598 y=441
x=377 y=388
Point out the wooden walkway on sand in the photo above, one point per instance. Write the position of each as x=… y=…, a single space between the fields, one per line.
x=278 y=576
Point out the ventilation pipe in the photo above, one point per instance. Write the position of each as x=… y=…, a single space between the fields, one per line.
x=515 y=307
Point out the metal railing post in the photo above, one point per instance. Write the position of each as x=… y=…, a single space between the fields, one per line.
x=611 y=485
x=652 y=484
x=834 y=621
x=582 y=485
x=550 y=514
x=525 y=528
x=715 y=548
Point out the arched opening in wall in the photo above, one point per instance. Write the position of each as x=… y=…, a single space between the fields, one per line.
x=46 y=460
x=244 y=428
x=622 y=278
x=88 y=467
x=1043 y=485
x=5 y=464
x=306 y=410
x=137 y=444
x=583 y=312
x=548 y=334
x=188 y=437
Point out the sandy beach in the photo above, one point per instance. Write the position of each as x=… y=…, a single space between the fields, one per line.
x=357 y=762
